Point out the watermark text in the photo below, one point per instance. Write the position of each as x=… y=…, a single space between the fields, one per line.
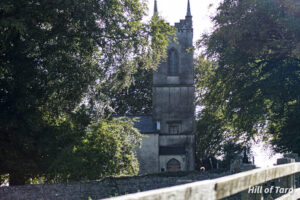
x=269 y=190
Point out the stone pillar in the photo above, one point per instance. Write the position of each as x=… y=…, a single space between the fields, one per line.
x=285 y=182
x=297 y=159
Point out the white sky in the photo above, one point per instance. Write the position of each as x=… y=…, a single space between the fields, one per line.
x=174 y=10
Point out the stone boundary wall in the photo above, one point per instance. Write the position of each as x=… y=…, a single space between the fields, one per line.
x=233 y=187
x=108 y=187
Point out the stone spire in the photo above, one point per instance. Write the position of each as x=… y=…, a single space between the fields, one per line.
x=188 y=13
x=155 y=8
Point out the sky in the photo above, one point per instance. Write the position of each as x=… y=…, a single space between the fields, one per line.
x=174 y=10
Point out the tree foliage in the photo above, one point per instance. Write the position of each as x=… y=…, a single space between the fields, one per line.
x=209 y=123
x=108 y=144
x=56 y=57
x=135 y=99
x=256 y=83
x=215 y=136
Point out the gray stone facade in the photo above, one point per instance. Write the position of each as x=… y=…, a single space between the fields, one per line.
x=148 y=154
x=173 y=107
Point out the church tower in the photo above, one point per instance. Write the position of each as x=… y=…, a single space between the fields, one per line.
x=173 y=100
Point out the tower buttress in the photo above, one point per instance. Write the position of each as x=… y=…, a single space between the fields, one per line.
x=155 y=8
x=188 y=13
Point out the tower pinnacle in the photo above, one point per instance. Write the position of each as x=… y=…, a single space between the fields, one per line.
x=188 y=13
x=155 y=7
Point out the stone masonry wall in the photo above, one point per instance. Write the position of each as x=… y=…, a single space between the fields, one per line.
x=101 y=189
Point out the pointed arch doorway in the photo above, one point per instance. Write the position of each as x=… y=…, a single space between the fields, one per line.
x=173 y=165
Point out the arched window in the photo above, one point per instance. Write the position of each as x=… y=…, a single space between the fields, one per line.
x=173 y=61
x=173 y=165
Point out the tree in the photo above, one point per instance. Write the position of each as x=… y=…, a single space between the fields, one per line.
x=215 y=136
x=209 y=123
x=136 y=96
x=110 y=144
x=135 y=99
x=54 y=55
x=256 y=84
